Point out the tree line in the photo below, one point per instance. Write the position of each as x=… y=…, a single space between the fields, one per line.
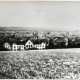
x=49 y=37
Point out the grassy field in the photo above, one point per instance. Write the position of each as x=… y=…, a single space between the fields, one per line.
x=36 y=64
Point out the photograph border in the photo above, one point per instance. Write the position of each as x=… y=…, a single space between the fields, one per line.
x=34 y=1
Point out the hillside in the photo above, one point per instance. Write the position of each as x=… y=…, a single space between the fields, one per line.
x=35 y=64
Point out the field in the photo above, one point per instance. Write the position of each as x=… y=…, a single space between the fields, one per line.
x=38 y=64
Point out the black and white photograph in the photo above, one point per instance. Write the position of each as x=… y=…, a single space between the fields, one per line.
x=39 y=39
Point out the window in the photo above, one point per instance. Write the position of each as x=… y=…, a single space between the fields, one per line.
x=28 y=42
x=14 y=46
x=26 y=45
x=21 y=46
x=38 y=45
x=31 y=45
x=43 y=45
x=14 y=49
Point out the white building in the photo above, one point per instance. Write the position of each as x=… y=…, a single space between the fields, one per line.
x=29 y=44
x=35 y=45
x=16 y=47
x=7 y=46
x=40 y=46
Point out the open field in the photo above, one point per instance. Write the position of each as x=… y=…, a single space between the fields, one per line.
x=33 y=64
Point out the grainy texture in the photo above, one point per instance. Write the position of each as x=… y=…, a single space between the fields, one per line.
x=33 y=64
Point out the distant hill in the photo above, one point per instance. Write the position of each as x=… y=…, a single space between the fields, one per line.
x=13 y=28
x=19 y=28
x=29 y=29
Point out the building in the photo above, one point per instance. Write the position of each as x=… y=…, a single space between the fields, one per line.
x=29 y=44
x=60 y=41
x=7 y=46
x=40 y=46
x=35 y=44
x=77 y=42
x=16 y=47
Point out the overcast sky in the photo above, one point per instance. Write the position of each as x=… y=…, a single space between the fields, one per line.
x=48 y=15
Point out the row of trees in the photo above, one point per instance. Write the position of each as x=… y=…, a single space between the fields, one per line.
x=17 y=36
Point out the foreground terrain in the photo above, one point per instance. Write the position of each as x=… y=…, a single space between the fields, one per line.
x=36 y=64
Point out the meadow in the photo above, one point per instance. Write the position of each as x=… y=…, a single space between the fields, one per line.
x=40 y=64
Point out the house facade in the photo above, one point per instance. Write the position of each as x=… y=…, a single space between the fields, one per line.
x=60 y=41
x=16 y=47
x=40 y=46
x=35 y=45
x=29 y=44
x=7 y=46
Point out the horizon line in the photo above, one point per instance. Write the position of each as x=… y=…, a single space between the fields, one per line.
x=37 y=28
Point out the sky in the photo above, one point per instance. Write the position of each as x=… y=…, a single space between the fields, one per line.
x=50 y=15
